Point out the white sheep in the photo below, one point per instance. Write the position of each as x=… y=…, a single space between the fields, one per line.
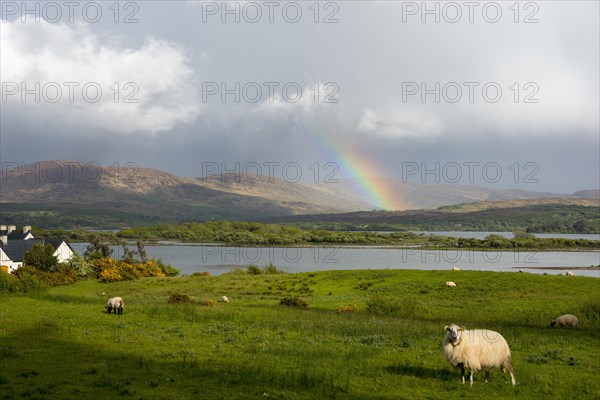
x=565 y=320
x=116 y=304
x=455 y=269
x=521 y=270
x=477 y=350
x=225 y=299
x=450 y=284
x=569 y=273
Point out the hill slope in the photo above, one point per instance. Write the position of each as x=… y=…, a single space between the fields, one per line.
x=417 y=196
x=69 y=194
x=63 y=193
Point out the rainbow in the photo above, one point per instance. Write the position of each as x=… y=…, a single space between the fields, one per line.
x=367 y=175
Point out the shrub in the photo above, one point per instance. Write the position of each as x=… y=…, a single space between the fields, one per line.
x=293 y=302
x=179 y=298
x=111 y=270
x=254 y=270
x=22 y=282
x=346 y=308
x=80 y=266
x=8 y=282
x=62 y=275
x=268 y=269
x=523 y=235
x=207 y=303
x=31 y=283
x=203 y=273
x=110 y=275
x=271 y=269
x=364 y=285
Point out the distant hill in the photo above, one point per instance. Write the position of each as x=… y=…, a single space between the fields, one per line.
x=55 y=194
x=535 y=216
x=519 y=203
x=406 y=196
x=587 y=194
x=417 y=196
x=326 y=197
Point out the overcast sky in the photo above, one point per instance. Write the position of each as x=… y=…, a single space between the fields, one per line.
x=376 y=88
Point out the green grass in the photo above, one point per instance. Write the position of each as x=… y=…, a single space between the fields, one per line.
x=62 y=344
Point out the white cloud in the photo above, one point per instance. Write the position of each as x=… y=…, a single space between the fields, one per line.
x=53 y=55
x=293 y=98
x=399 y=123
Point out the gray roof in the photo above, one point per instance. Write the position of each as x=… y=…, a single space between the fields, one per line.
x=17 y=234
x=15 y=249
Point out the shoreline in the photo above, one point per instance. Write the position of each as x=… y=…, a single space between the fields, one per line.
x=562 y=268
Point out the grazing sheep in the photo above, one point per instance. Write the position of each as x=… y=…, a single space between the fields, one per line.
x=569 y=273
x=565 y=320
x=225 y=299
x=116 y=304
x=520 y=270
x=450 y=284
x=477 y=350
x=455 y=269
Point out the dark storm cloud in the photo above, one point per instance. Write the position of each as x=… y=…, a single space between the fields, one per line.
x=401 y=89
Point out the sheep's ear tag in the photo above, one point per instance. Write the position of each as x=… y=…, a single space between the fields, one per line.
x=462 y=328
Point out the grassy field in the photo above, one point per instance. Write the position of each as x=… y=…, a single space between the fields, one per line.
x=62 y=345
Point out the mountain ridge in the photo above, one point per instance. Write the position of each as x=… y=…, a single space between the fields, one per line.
x=129 y=194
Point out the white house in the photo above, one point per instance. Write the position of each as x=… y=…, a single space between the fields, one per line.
x=14 y=243
x=5 y=261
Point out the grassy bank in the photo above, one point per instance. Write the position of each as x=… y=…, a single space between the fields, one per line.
x=61 y=344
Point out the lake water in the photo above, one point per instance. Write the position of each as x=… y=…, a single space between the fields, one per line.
x=190 y=258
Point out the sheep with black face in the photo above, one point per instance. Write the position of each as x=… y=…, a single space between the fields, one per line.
x=116 y=304
x=565 y=320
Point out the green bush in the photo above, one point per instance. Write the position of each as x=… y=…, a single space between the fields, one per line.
x=8 y=282
x=254 y=270
x=293 y=302
x=179 y=298
x=80 y=265
x=23 y=282
x=271 y=269
x=62 y=275
x=268 y=269
x=207 y=303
